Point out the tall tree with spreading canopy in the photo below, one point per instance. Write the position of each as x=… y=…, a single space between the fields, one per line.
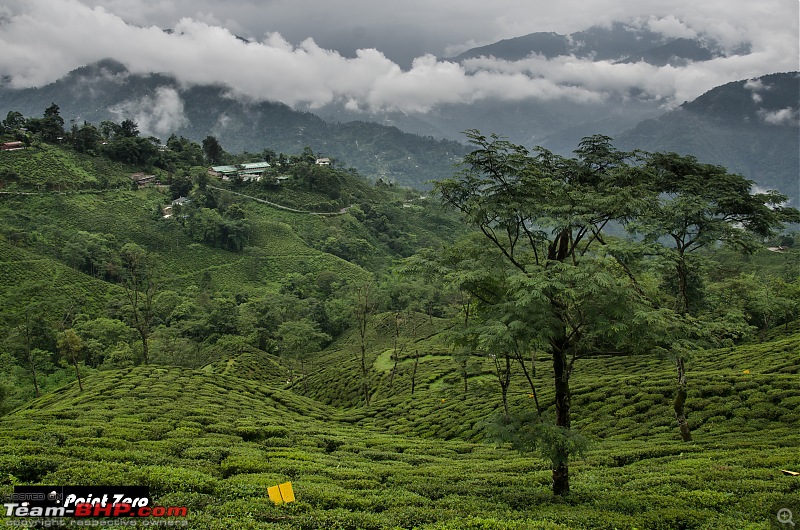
x=545 y=216
x=569 y=288
x=52 y=124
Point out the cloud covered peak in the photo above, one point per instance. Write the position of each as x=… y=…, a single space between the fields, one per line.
x=43 y=40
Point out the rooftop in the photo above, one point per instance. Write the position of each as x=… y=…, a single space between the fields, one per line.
x=255 y=165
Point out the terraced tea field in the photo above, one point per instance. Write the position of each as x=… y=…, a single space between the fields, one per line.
x=216 y=439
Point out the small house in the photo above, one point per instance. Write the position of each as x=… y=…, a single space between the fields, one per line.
x=12 y=146
x=143 y=180
x=223 y=172
x=253 y=171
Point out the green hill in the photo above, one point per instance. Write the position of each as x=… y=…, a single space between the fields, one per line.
x=220 y=353
x=62 y=233
x=377 y=151
x=215 y=441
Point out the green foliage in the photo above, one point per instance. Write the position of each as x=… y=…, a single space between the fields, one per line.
x=51 y=167
x=221 y=445
x=527 y=433
x=216 y=435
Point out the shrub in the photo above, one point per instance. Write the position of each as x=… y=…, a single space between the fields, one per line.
x=169 y=479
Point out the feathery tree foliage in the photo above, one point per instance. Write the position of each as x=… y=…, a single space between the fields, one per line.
x=570 y=288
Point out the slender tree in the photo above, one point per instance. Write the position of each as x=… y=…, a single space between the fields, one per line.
x=364 y=305
x=696 y=206
x=70 y=346
x=213 y=150
x=139 y=281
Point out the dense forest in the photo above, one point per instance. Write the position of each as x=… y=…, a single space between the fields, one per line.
x=569 y=308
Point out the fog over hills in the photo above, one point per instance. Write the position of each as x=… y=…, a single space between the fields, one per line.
x=606 y=79
x=620 y=42
x=624 y=80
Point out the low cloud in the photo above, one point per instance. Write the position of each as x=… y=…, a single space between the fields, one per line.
x=755 y=85
x=787 y=116
x=671 y=27
x=43 y=40
x=158 y=115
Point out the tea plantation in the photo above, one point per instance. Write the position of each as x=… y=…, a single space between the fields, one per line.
x=257 y=365
x=215 y=439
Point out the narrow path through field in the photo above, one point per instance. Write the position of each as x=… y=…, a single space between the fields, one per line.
x=280 y=206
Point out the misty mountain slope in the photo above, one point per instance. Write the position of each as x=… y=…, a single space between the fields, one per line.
x=161 y=106
x=557 y=122
x=678 y=52
x=751 y=127
x=547 y=44
x=620 y=42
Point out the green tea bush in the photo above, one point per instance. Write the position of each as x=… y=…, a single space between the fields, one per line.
x=170 y=479
x=234 y=465
x=213 y=454
x=675 y=519
x=339 y=519
x=28 y=468
x=94 y=473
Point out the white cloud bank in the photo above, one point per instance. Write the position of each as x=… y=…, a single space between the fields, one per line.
x=158 y=115
x=42 y=40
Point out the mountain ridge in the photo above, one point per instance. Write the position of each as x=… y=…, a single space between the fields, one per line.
x=751 y=127
x=621 y=43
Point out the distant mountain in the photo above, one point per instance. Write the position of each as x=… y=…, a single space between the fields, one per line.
x=547 y=44
x=619 y=43
x=162 y=106
x=752 y=127
x=675 y=53
x=557 y=124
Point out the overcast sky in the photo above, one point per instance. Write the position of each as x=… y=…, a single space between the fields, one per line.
x=383 y=54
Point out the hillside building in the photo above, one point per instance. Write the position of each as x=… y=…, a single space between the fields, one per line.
x=250 y=171
x=143 y=180
x=12 y=146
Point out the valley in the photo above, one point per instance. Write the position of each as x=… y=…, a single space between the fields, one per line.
x=270 y=346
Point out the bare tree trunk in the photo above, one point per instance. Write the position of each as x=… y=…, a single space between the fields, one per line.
x=26 y=329
x=680 y=400
x=304 y=373
x=396 y=351
x=364 y=374
x=414 y=371
x=529 y=376
x=77 y=372
x=681 y=393
x=145 y=335
x=504 y=380
x=561 y=379
x=362 y=313
x=394 y=370
x=33 y=372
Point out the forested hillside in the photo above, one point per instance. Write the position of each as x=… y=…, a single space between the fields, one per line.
x=751 y=127
x=162 y=106
x=211 y=333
